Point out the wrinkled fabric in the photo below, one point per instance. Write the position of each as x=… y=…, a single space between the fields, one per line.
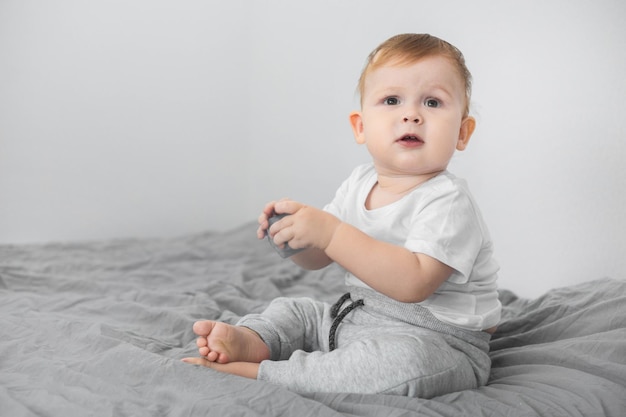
x=99 y=328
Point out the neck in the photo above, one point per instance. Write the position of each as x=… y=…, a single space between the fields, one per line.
x=389 y=189
x=398 y=184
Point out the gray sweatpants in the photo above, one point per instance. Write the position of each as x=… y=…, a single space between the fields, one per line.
x=383 y=346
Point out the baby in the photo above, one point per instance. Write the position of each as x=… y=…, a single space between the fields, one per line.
x=421 y=280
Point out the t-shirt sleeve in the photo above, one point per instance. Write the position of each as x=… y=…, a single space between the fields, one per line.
x=449 y=230
x=337 y=203
x=339 y=206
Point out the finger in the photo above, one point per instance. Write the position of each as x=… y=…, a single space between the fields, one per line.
x=287 y=206
x=283 y=235
x=278 y=226
x=268 y=210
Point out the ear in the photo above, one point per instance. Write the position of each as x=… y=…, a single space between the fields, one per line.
x=356 y=121
x=465 y=133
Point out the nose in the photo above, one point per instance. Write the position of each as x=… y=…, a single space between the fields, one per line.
x=412 y=115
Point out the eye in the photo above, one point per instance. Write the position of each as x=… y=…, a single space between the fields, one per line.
x=432 y=102
x=391 y=101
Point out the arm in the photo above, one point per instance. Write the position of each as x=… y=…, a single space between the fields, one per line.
x=312 y=259
x=390 y=269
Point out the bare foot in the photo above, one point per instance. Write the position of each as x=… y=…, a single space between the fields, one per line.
x=223 y=343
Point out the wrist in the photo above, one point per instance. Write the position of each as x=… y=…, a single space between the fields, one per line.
x=333 y=235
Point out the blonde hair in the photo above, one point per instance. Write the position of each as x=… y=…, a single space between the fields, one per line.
x=408 y=48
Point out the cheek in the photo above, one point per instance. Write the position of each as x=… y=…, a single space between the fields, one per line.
x=448 y=142
x=373 y=128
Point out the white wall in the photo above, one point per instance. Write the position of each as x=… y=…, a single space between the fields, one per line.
x=162 y=117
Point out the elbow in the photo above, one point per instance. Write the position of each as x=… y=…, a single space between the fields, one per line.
x=415 y=290
x=422 y=281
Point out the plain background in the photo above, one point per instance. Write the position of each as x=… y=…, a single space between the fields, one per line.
x=158 y=118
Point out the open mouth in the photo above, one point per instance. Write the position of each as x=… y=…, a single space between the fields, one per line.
x=411 y=139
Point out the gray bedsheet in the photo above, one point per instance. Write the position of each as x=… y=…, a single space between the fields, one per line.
x=98 y=329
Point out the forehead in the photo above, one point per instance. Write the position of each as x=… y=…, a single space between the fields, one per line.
x=431 y=70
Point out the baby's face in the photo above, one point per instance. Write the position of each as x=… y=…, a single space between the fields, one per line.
x=412 y=116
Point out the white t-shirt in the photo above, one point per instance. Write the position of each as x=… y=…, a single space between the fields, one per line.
x=440 y=219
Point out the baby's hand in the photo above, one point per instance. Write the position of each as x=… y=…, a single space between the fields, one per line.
x=268 y=211
x=305 y=227
x=284 y=250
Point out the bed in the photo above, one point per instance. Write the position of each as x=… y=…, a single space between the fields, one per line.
x=99 y=328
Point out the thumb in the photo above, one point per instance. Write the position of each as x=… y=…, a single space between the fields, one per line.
x=287 y=207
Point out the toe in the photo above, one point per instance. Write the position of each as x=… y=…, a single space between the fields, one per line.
x=203 y=327
x=201 y=342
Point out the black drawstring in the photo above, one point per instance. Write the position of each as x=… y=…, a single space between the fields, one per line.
x=338 y=317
